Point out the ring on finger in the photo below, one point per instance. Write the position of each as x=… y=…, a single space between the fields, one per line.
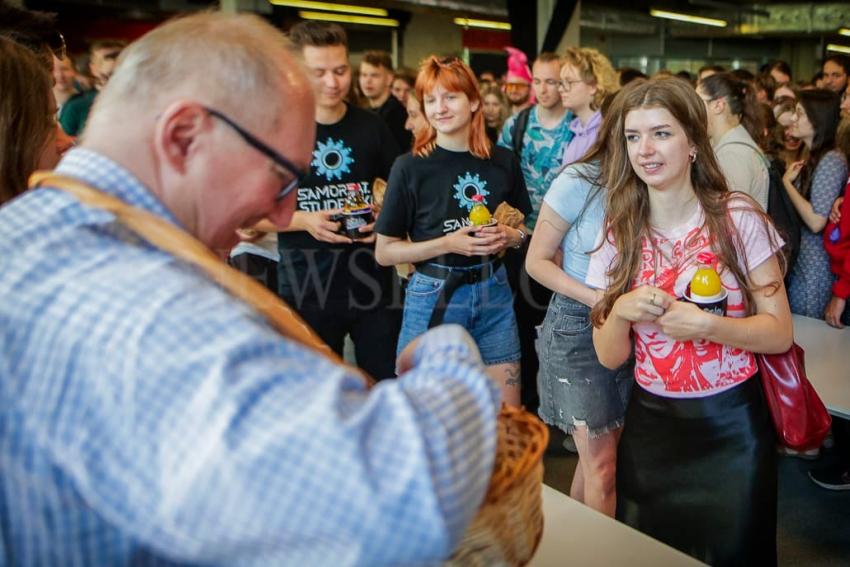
x=652 y=300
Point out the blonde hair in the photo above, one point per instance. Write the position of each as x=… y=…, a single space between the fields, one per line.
x=496 y=91
x=594 y=69
x=220 y=59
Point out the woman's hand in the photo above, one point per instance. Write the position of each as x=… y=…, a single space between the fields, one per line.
x=506 y=236
x=643 y=304
x=834 y=310
x=835 y=211
x=793 y=171
x=685 y=321
x=463 y=242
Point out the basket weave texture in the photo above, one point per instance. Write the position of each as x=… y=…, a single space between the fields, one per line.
x=509 y=524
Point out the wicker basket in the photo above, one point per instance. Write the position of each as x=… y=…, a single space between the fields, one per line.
x=509 y=524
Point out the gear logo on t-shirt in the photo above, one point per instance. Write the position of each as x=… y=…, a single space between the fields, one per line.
x=467 y=187
x=332 y=159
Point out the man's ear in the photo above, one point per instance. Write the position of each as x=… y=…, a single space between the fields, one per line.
x=178 y=130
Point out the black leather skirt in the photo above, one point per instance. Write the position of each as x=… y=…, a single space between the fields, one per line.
x=700 y=474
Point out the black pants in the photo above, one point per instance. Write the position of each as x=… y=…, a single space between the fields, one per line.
x=373 y=331
x=258 y=267
x=530 y=303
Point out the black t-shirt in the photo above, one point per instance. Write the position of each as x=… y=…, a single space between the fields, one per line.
x=395 y=115
x=355 y=150
x=432 y=196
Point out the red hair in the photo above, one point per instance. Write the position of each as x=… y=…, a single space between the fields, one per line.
x=453 y=75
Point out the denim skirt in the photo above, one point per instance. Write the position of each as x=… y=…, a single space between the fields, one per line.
x=575 y=389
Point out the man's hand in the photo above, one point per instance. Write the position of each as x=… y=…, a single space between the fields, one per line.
x=370 y=230
x=834 y=310
x=321 y=227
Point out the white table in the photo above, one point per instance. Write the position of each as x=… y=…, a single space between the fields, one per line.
x=574 y=534
x=827 y=361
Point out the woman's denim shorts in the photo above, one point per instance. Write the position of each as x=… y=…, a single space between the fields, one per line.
x=485 y=309
x=575 y=389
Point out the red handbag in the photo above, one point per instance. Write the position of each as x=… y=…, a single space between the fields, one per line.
x=800 y=418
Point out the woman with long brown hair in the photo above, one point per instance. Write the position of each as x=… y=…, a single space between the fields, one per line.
x=27 y=119
x=813 y=185
x=425 y=221
x=696 y=462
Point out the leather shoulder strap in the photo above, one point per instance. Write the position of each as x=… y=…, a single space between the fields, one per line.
x=187 y=248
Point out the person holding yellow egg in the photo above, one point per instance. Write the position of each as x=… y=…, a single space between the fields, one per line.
x=437 y=215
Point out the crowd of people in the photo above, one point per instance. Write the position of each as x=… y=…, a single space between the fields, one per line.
x=150 y=415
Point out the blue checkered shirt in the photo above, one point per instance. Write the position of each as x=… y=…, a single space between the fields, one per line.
x=146 y=417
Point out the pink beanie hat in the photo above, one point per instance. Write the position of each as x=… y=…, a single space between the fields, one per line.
x=518 y=70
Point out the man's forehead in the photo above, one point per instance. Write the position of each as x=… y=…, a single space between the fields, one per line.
x=369 y=68
x=325 y=57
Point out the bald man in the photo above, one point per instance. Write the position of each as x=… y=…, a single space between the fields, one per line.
x=149 y=417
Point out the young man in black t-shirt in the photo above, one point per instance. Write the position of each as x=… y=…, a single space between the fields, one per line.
x=376 y=79
x=332 y=281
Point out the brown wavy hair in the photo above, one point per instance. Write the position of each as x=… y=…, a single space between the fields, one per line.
x=456 y=76
x=627 y=210
x=26 y=121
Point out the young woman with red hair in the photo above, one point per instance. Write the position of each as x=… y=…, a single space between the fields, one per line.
x=425 y=221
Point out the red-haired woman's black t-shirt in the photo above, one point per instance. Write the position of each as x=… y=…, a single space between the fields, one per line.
x=428 y=197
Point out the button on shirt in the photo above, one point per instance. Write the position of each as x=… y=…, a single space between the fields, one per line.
x=147 y=417
x=584 y=135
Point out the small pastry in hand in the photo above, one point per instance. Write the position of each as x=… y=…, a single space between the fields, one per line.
x=508 y=215
x=379 y=188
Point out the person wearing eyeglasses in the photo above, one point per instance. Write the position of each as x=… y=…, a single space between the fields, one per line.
x=150 y=413
x=587 y=77
x=103 y=58
x=331 y=280
x=518 y=81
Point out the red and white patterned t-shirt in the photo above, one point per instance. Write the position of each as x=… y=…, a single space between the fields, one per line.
x=689 y=369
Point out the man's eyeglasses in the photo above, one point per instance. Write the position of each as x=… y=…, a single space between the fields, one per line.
x=283 y=166
x=567 y=86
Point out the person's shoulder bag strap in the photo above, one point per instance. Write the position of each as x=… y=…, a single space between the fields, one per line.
x=520 y=126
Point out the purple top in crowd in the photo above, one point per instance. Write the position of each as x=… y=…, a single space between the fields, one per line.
x=583 y=137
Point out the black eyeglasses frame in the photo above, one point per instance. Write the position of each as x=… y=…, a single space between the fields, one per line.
x=298 y=175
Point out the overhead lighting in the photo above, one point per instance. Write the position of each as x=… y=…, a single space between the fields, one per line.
x=838 y=48
x=331 y=7
x=346 y=19
x=688 y=18
x=484 y=24
x=844 y=31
